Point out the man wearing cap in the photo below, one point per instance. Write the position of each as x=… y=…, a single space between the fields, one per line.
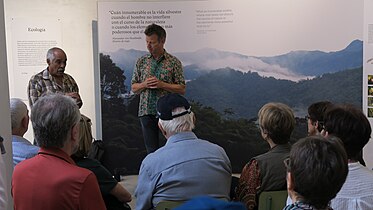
x=156 y=74
x=186 y=166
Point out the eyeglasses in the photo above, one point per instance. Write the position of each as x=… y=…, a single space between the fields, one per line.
x=307 y=117
x=287 y=164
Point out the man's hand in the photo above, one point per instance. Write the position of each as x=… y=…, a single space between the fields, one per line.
x=153 y=82
x=76 y=97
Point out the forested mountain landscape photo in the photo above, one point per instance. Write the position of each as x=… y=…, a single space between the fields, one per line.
x=226 y=90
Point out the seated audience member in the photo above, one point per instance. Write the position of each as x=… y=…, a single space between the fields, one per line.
x=353 y=128
x=115 y=196
x=22 y=148
x=315 y=121
x=51 y=180
x=316 y=112
x=209 y=203
x=317 y=168
x=186 y=166
x=266 y=172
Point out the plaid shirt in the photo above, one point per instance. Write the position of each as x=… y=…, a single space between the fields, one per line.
x=167 y=69
x=43 y=83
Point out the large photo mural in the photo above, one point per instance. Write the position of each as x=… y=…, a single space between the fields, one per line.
x=237 y=56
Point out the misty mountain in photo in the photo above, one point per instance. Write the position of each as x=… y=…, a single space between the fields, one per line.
x=294 y=66
x=226 y=80
x=245 y=93
x=226 y=91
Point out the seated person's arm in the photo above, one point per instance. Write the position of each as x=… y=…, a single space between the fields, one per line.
x=121 y=193
x=248 y=184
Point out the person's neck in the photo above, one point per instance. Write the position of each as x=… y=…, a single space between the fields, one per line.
x=156 y=56
x=18 y=132
x=68 y=149
x=58 y=80
x=271 y=144
x=352 y=161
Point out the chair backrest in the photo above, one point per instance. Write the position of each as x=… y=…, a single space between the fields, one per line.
x=272 y=200
x=168 y=205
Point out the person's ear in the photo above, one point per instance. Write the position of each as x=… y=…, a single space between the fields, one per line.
x=264 y=131
x=75 y=132
x=163 y=41
x=324 y=133
x=162 y=130
x=48 y=61
x=25 y=121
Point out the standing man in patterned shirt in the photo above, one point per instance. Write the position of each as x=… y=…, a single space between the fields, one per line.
x=156 y=74
x=53 y=79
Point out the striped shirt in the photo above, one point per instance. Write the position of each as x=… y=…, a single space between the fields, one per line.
x=357 y=191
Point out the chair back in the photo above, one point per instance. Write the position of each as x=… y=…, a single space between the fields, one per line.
x=168 y=205
x=272 y=200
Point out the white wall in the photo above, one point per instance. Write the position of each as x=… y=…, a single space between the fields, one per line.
x=4 y=111
x=76 y=18
x=79 y=41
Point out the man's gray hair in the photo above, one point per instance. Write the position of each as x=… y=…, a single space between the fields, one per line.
x=52 y=118
x=18 y=110
x=178 y=124
x=50 y=53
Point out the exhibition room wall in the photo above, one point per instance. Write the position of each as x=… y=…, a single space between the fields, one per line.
x=5 y=113
x=78 y=37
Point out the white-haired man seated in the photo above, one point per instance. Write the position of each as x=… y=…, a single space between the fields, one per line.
x=186 y=166
x=22 y=148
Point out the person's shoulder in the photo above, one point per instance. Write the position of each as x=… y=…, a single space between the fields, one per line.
x=171 y=57
x=68 y=76
x=152 y=157
x=79 y=172
x=88 y=163
x=361 y=171
x=156 y=161
x=38 y=76
x=143 y=57
x=24 y=165
x=209 y=144
x=211 y=148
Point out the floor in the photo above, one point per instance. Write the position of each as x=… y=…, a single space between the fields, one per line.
x=130 y=183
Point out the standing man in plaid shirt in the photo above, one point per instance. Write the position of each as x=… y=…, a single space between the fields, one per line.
x=156 y=74
x=53 y=79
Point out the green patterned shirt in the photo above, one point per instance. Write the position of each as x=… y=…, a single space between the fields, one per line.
x=167 y=69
